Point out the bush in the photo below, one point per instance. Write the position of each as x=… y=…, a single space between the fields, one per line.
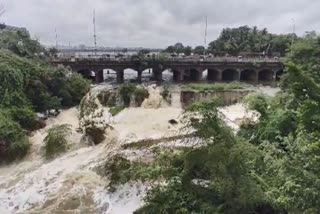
x=13 y=142
x=140 y=95
x=56 y=140
x=126 y=90
x=116 y=110
x=257 y=102
x=24 y=116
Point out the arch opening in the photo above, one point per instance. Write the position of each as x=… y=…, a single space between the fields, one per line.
x=230 y=75
x=213 y=75
x=195 y=75
x=266 y=75
x=248 y=75
x=130 y=75
x=168 y=75
x=177 y=75
x=147 y=74
x=192 y=75
x=109 y=75
x=87 y=73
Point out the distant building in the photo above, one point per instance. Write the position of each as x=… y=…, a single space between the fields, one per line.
x=12 y=28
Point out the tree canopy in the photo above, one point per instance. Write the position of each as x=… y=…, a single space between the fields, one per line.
x=29 y=85
x=242 y=40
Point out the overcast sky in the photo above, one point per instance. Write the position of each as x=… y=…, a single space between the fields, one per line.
x=154 y=23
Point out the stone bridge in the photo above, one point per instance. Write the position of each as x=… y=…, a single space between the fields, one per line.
x=223 y=69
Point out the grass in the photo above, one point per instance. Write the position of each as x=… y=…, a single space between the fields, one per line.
x=116 y=110
x=214 y=87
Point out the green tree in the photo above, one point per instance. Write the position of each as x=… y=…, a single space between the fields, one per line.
x=246 y=40
x=199 y=50
x=187 y=50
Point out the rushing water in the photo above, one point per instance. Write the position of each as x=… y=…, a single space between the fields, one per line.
x=70 y=182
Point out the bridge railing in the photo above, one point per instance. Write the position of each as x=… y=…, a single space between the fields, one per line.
x=192 y=59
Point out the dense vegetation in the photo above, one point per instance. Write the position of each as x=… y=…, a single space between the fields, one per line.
x=28 y=85
x=242 y=40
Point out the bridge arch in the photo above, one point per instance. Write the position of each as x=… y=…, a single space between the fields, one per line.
x=177 y=75
x=266 y=75
x=195 y=75
x=279 y=73
x=109 y=74
x=229 y=75
x=213 y=75
x=192 y=75
x=87 y=73
x=248 y=75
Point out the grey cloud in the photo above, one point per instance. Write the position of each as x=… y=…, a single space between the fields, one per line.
x=154 y=23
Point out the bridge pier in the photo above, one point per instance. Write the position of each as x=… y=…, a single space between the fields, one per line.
x=178 y=75
x=98 y=76
x=120 y=76
x=157 y=75
x=139 y=77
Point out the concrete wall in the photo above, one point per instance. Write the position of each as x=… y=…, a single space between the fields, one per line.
x=228 y=97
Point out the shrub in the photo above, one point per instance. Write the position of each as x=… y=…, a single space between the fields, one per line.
x=116 y=110
x=126 y=90
x=13 y=142
x=165 y=93
x=140 y=95
x=56 y=140
x=24 y=116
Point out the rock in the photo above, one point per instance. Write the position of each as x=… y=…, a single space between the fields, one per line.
x=173 y=122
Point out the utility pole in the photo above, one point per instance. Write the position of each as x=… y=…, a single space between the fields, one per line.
x=205 y=36
x=55 y=30
x=293 y=34
x=94 y=32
